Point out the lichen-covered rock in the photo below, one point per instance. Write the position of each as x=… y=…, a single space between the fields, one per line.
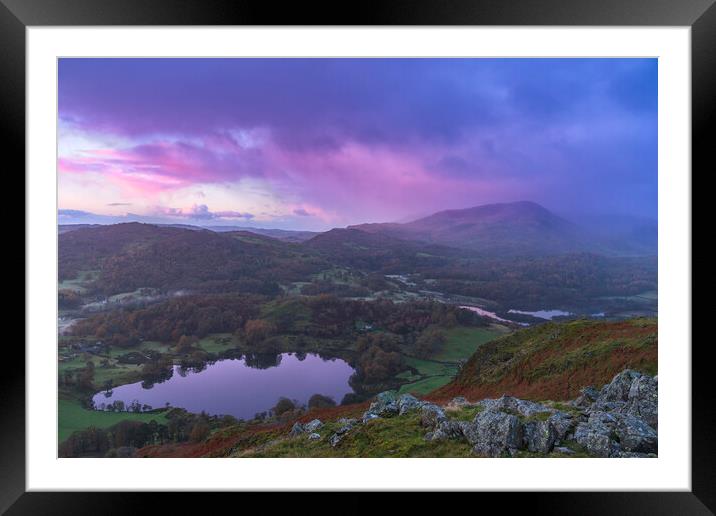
x=431 y=415
x=618 y=389
x=447 y=430
x=513 y=405
x=297 y=429
x=407 y=403
x=312 y=426
x=562 y=423
x=493 y=433
x=369 y=416
x=587 y=396
x=459 y=401
x=595 y=437
x=635 y=435
x=539 y=436
x=346 y=426
x=643 y=400
x=385 y=404
x=608 y=419
x=314 y=436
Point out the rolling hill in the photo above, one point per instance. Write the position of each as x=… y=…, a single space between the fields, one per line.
x=128 y=256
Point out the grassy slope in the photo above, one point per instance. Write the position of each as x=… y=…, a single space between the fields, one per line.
x=71 y=417
x=549 y=361
x=555 y=360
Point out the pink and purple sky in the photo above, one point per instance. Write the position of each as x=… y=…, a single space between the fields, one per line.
x=321 y=143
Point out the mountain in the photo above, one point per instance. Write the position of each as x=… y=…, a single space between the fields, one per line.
x=506 y=229
x=555 y=360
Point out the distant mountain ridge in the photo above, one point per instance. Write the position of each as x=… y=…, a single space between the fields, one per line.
x=508 y=229
x=279 y=234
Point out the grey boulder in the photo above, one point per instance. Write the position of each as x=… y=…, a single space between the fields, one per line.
x=407 y=403
x=595 y=437
x=493 y=433
x=297 y=429
x=618 y=389
x=539 y=436
x=385 y=404
x=447 y=430
x=312 y=426
x=515 y=406
x=643 y=400
x=635 y=435
x=431 y=415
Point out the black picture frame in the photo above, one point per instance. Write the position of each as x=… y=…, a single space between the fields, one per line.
x=700 y=15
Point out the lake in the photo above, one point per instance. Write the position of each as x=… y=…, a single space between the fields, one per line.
x=242 y=390
x=542 y=314
x=491 y=315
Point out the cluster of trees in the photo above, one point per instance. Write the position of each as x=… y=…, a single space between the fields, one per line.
x=82 y=379
x=336 y=289
x=183 y=320
x=68 y=299
x=430 y=342
x=379 y=358
x=329 y=316
x=546 y=281
x=182 y=426
x=196 y=315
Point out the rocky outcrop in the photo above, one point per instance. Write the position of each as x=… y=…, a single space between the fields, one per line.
x=618 y=420
x=431 y=415
x=515 y=406
x=346 y=425
x=539 y=436
x=493 y=433
x=312 y=426
x=385 y=405
x=643 y=400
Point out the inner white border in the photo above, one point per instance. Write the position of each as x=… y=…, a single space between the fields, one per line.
x=671 y=471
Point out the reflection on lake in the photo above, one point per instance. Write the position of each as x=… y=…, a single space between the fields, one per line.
x=542 y=314
x=240 y=387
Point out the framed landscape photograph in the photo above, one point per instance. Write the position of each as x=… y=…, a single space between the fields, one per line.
x=418 y=253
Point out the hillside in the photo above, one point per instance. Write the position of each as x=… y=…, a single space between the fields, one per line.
x=379 y=252
x=555 y=360
x=125 y=257
x=509 y=229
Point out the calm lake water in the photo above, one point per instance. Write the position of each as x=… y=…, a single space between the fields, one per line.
x=234 y=387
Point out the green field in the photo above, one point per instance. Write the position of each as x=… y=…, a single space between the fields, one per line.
x=72 y=416
x=461 y=343
x=426 y=385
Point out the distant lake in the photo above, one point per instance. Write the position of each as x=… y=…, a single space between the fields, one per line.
x=491 y=315
x=542 y=314
x=238 y=388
